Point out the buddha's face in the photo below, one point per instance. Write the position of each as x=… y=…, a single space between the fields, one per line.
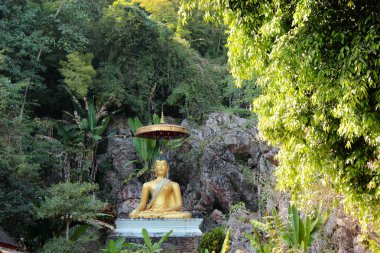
x=161 y=168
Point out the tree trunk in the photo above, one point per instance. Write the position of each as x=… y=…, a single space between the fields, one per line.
x=23 y=103
x=80 y=166
x=94 y=165
x=219 y=41
x=68 y=221
x=67 y=168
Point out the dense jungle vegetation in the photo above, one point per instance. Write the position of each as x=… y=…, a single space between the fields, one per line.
x=317 y=64
x=311 y=68
x=68 y=66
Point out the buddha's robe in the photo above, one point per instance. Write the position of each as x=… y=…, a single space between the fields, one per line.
x=163 y=199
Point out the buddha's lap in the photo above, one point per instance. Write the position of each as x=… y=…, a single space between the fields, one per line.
x=169 y=214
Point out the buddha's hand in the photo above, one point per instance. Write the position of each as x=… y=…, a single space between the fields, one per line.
x=134 y=214
x=161 y=210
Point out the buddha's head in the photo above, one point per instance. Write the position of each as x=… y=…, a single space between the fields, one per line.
x=161 y=167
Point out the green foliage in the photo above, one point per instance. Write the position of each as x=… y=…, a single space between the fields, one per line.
x=110 y=82
x=226 y=244
x=95 y=122
x=119 y=246
x=302 y=232
x=137 y=58
x=164 y=11
x=10 y=96
x=115 y=246
x=148 y=149
x=71 y=202
x=130 y=54
x=207 y=38
x=78 y=73
x=296 y=233
x=150 y=247
x=22 y=36
x=51 y=50
x=143 y=63
x=317 y=64
x=266 y=236
x=81 y=138
x=197 y=93
x=72 y=21
x=58 y=245
x=212 y=240
x=25 y=162
x=81 y=239
x=240 y=97
x=238 y=206
x=258 y=242
x=79 y=231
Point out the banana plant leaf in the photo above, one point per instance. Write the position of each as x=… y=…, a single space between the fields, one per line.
x=147 y=240
x=99 y=130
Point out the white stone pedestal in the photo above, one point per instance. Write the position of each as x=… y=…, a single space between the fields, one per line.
x=131 y=228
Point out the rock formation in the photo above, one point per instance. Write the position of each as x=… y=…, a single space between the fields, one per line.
x=215 y=167
x=222 y=163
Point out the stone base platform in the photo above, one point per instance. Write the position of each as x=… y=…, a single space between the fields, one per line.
x=158 y=227
x=184 y=238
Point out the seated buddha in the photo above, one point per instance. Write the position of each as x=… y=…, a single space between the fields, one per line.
x=165 y=202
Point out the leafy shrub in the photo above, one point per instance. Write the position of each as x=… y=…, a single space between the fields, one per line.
x=296 y=233
x=213 y=240
x=238 y=206
x=83 y=238
x=58 y=245
x=115 y=246
x=120 y=246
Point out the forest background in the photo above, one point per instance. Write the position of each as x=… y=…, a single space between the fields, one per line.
x=315 y=65
x=68 y=66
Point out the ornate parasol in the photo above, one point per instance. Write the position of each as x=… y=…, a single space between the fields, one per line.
x=162 y=131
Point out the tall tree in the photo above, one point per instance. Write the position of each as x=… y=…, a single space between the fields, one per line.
x=27 y=160
x=317 y=62
x=205 y=37
x=71 y=202
x=142 y=62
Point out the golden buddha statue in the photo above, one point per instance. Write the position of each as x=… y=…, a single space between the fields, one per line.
x=166 y=201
